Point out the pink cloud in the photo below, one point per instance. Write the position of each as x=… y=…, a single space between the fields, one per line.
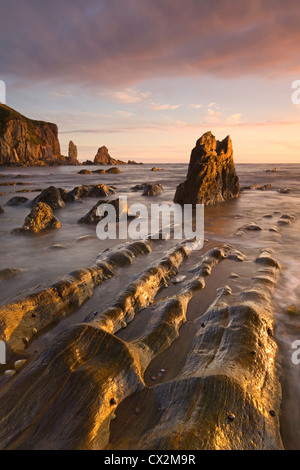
x=116 y=43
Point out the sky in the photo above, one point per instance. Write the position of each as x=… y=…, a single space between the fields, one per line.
x=146 y=78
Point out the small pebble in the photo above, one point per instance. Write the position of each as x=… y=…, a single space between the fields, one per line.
x=178 y=279
x=273 y=413
x=153 y=378
x=19 y=364
x=84 y=238
x=137 y=411
x=284 y=190
x=9 y=373
x=224 y=291
x=123 y=324
x=34 y=331
x=25 y=340
x=113 y=416
x=233 y=276
x=293 y=310
x=231 y=417
x=33 y=315
x=202 y=325
x=112 y=402
x=163 y=370
x=57 y=247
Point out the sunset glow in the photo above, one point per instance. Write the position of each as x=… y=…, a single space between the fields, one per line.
x=147 y=78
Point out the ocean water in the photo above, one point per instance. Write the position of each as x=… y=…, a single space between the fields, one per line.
x=42 y=264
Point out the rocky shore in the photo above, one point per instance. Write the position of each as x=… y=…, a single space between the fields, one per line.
x=178 y=351
x=229 y=383
x=26 y=142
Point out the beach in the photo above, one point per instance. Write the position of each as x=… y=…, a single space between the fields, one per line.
x=46 y=258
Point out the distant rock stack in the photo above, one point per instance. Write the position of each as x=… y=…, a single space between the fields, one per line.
x=72 y=152
x=211 y=177
x=103 y=158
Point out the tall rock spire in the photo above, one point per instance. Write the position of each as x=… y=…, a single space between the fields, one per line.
x=211 y=177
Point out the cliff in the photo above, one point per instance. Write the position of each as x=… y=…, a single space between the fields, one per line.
x=211 y=177
x=25 y=142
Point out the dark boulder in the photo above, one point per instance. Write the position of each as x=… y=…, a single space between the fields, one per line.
x=284 y=191
x=153 y=190
x=252 y=186
x=51 y=196
x=114 y=170
x=266 y=187
x=100 y=190
x=94 y=216
x=84 y=172
x=17 y=201
x=8 y=273
x=149 y=189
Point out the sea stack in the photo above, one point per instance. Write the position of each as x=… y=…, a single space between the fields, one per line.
x=103 y=158
x=211 y=177
x=72 y=153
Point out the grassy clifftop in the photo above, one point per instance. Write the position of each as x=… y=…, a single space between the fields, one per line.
x=8 y=114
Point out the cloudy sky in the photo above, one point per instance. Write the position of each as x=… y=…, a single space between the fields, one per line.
x=147 y=78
